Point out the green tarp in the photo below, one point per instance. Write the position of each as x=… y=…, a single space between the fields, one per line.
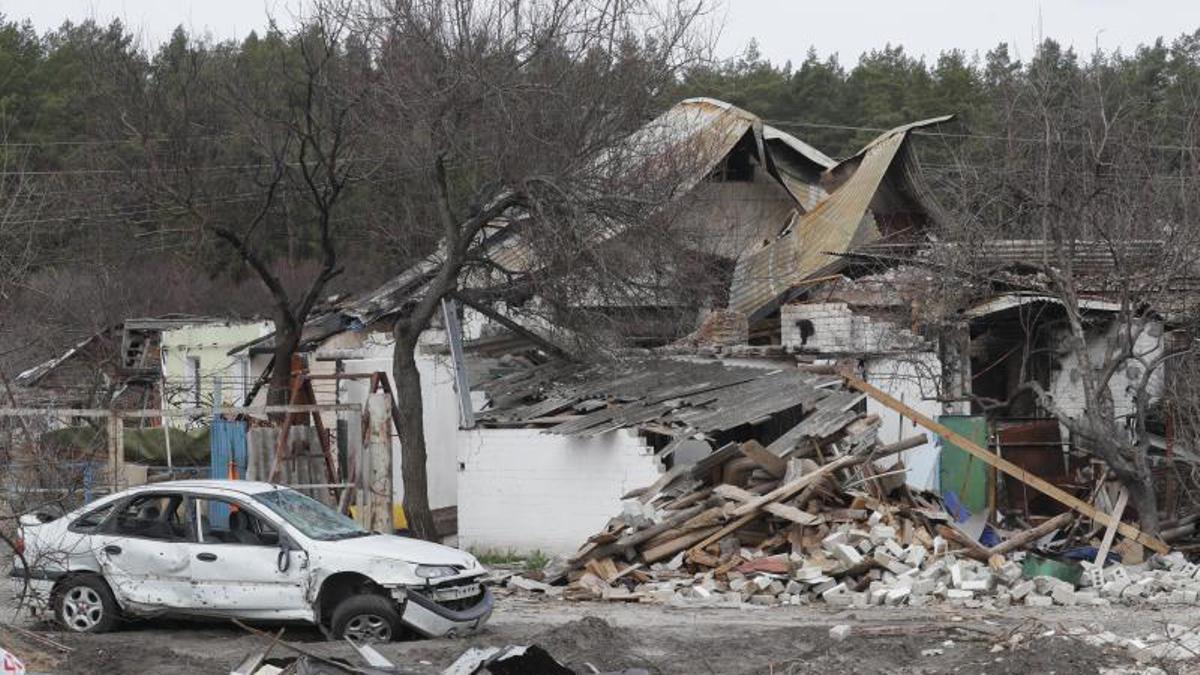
x=142 y=446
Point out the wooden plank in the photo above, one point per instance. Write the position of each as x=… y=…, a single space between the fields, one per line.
x=1118 y=511
x=1035 y=482
x=724 y=531
x=733 y=493
x=771 y=463
x=1020 y=539
x=674 y=546
x=793 y=514
x=789 y=489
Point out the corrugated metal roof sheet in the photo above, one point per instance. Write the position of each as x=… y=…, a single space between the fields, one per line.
x=838 y=223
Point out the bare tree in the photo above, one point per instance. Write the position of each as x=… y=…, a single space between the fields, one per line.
x=1103 y=211
x=497 y=113
x=288 y=156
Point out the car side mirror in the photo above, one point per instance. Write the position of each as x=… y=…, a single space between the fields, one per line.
x=284 y=560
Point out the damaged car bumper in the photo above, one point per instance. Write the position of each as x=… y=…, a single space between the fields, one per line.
x=34 y=587
x=432 y=617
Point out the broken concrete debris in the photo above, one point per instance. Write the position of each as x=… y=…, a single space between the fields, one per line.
x=824 y=527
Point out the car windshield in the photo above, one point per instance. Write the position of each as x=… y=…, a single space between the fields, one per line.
x=310 y=516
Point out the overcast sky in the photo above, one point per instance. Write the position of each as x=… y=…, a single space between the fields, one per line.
x=784 y=28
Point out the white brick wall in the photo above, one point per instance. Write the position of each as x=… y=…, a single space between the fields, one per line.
x=1066 y=385
x=837 y=329
x=912 y=379
x=526 y=490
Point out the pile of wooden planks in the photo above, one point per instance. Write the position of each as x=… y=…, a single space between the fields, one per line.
x=743 y=501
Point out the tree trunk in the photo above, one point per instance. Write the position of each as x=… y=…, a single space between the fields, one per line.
x=413 y=456
x=287 y=341
x=1143 y=493
x=1130 y=466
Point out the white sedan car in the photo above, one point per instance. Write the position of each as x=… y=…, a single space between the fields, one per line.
x=247 y=550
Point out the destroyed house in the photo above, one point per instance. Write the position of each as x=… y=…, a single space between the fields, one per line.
x=117 y=367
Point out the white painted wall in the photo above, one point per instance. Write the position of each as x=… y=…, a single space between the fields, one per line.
x=526 y=490
x=912 y=380
x=1066 y=385
x=371 y=352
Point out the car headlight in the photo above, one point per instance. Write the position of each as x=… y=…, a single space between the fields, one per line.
x=435 y=571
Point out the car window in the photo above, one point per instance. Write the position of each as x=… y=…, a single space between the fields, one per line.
x=310 y=516
x=91 y=520
x=226 y=522
x=163 y=516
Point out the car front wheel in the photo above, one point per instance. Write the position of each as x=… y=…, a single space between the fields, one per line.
x=366 y=617
x=84 y=604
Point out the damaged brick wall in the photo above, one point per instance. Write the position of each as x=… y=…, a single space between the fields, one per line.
x=834 y=328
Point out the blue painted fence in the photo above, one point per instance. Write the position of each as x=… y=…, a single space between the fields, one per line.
x=227 y=448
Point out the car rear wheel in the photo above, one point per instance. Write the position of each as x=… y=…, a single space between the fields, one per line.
x=366 y=617
x=84 y=604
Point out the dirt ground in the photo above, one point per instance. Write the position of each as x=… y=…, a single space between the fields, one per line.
x=670 y=641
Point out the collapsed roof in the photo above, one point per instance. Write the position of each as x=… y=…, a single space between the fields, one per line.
x=834 y=207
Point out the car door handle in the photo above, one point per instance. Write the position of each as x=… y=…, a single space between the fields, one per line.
x=206 y=557
x=112 y=550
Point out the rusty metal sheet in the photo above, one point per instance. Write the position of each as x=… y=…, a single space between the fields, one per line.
x=840 y=222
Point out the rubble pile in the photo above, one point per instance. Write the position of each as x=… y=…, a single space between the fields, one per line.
x=745 y=526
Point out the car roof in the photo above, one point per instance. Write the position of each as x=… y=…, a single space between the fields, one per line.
x=249 y=487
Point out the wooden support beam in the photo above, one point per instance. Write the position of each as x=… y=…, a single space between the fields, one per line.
x=1035 y=482
x=769 y=461
x=1021 y=539
x=1111 y=531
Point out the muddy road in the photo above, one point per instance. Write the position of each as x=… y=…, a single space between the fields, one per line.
x=679 y=641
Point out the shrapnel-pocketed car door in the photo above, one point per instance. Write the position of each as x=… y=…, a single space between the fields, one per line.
x=144 y=551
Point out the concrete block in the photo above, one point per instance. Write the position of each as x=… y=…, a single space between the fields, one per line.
x=835 y=591
x=807 y=573
x=840 y=632
x=896 y=596
x=915 y=555
x=820 y=588
x=1022 y=589
x=1114 y=589
x=847 y=555
x=1063 y=595
x=836 y=537
x=956 y=574
x=980 y=585
x=959 y=594
x=1117 y=573
x=1036 y=600
x=923 y=586
x=1009 y=572
x=1183 y=597
x=881 y=533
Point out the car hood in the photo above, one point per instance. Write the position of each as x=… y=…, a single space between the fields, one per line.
x=394 y=547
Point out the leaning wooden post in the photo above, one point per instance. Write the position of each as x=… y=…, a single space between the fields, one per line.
x=116 y=450
x=379 y=465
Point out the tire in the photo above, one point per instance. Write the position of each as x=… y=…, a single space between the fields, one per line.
x=84 y=604
x=366 y=617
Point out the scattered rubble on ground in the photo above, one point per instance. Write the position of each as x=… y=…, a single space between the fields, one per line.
x=835 y=525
